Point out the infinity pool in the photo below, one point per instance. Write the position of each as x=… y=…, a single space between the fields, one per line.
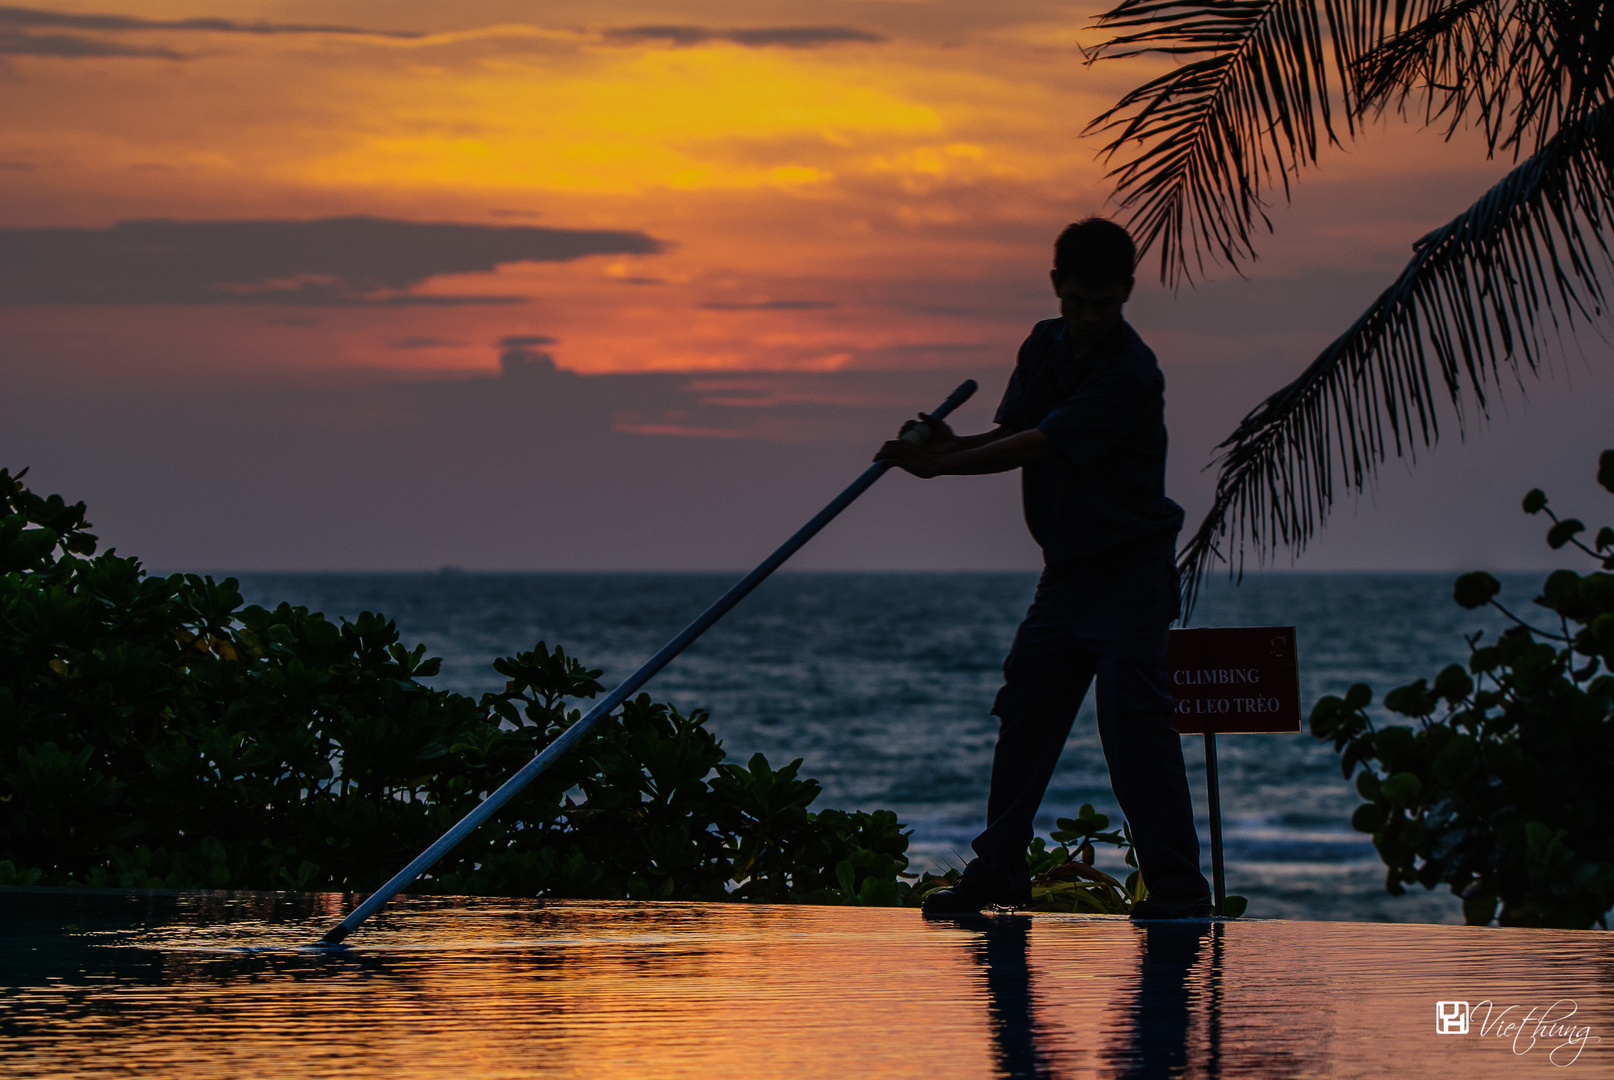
x=194 y=985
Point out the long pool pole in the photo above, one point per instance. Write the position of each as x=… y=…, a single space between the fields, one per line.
x=568 y=738
x=1213 y=798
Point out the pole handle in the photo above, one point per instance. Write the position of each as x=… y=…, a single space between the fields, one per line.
x=919 y=434
x=965 y=391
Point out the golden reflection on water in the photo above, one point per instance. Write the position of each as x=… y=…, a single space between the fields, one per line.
x=107 y=984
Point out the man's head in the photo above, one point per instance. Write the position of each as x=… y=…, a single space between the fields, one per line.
x=1093 y=276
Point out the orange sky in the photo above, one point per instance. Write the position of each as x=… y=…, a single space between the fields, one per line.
x=856 y=186
x=833 y=175
x=876 y=180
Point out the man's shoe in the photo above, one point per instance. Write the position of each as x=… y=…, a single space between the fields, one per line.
x=957 y=899
x=978 y=888
x=1152 y=907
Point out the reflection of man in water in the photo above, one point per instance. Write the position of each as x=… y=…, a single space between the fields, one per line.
x=1003 y=950
x=1154 y=1044
x=1084 y=421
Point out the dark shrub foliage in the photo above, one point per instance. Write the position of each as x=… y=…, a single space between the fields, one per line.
x=1501 y=790
x=153 y=732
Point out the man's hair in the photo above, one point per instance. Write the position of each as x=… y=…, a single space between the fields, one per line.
x=1095 y=250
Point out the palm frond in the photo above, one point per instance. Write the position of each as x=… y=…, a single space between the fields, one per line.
x=1487 y=291
x=1521 y=69
x=1253 y=103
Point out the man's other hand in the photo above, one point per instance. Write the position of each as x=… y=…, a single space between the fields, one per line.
x=921 y=461
x=941 y=436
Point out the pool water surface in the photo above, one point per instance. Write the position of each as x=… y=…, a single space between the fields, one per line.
x=193 y=985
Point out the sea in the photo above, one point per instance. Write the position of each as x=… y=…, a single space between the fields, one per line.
x=882 y=684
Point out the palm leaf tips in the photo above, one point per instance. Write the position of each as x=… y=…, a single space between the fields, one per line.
x=1197 y=148
x=1487 y=291
x=1197 y=151
x=1521 y=70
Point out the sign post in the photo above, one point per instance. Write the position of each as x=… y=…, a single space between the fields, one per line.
x=1231 y=680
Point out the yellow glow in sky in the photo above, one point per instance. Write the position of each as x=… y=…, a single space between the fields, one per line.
x=673 y=118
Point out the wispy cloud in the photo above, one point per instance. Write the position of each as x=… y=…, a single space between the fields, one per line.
x=34 y=32
x=423 y=342
x=30 y=18
x=789 y=37
x=75 y=47
x=20 y=36
x=344 y=261
x=771 y=305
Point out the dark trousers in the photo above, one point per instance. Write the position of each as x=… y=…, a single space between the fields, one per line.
x=1110 y=625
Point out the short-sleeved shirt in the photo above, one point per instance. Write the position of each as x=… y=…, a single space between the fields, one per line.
x=1100 y=498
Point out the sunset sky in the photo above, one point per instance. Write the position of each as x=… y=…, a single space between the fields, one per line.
x=638 y=284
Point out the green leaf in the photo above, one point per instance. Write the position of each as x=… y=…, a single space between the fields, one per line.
x=878 y=892
x=1479 y=908
x=846 y=877
x=1355 y=751
x=1453 y=683
x=1392 y=742
x=1411 y=700
x=1454 y=760
x=1562 y=532
x=1358 y=696
x=1370 y=817
x=1327 y=716
x=1560 y=589
x=1605 y=470
x=1402 y=788
x=1601 y=630
x=1534 y=500
x=1475 y=590
x=1235 y=906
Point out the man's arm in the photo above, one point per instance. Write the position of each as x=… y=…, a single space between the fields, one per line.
x=942 y=439
x=993 y=451
x=970 y=442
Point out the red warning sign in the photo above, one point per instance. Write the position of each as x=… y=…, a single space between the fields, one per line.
x=1232 y=679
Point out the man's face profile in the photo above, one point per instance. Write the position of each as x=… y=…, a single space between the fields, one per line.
x=1090 y=308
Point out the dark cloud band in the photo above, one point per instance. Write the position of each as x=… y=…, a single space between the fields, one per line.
x=73 y=46
x=32 y=18
x=771 y=305
x=790 y=37
x=20 y=33
x=347 y=261
x=63 y=35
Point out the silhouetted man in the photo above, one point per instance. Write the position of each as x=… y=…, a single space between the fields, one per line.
x=1084 y=420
